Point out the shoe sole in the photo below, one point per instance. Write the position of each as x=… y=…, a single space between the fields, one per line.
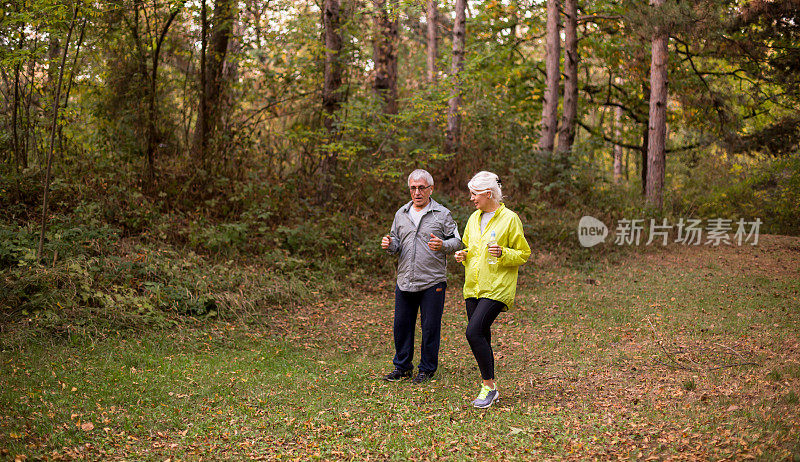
x=488 y=405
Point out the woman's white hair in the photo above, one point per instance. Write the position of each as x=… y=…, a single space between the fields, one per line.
x=420 y=174
x=487 y=181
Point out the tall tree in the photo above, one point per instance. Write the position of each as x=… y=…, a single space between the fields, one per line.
x=384 y=52
x=566 y=133
x=149 y=76
x=431 y=17
x=552 y=58
x=201 y=127
x=53 y=128
x=214 y=81
x=20 y=154
x=332 y=96
x=453 y=135
x=657 y=126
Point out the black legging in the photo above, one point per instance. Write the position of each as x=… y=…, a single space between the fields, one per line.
x=481 y=313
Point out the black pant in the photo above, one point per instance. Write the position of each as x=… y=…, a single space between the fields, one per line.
x=481 y=313
x=430 y=304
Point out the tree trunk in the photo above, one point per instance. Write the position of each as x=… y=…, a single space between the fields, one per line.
x=643 y=152
x=212 y=66
x=552 y=57
x=56 y=104
x=617 y=147
x=20 y=156
x=30 y=141
x=71 y=79
x=566 y=134
x=384 y=48
x=626 y=166
x=453 y=135
x=224 y=16
x=657 y=126
x=433 y=44
x=152 y=109
x=332 y=96
x=201 y=130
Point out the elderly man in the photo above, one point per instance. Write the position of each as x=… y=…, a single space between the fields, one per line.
x=423 y=233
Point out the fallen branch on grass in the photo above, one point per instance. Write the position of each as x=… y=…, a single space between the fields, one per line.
x=676 y=364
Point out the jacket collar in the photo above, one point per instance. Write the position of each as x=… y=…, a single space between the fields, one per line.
x=497 y=212
x=434 y=206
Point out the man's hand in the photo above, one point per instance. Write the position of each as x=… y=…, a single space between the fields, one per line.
x=386 y=241
x=495 y=251
x=461 y=255
x=435 y=243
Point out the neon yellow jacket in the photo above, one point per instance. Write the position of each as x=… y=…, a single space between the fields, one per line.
x=498 y=281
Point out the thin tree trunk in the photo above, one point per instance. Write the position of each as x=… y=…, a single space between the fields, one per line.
x=71 y=80
x=145 y=84
x=220 y=37
x=432 y=39
x=332 y=96
x=643 y=152
x=48 y=87
x=20 y=158
x=30 y=133
x=566 y=134
x=552 y=57
x=201 y=131
x=453 y=135
x=56 y=104
x=384 y=47
x=617 y=148
x=626 y=166
x=657 y=127
x=187 y=107
x=152 y=110
x=433 y=43
x=645 y=140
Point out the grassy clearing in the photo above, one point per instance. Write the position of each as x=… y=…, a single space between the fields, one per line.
x=671 y=353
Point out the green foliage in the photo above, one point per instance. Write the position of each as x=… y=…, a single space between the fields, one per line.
x=740 y=187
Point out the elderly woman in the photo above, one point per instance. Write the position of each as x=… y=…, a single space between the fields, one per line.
x=495 y=247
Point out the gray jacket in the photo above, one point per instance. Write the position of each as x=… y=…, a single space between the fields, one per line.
x=419 y=267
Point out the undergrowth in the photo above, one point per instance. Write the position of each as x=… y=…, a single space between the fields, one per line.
x=118 y=255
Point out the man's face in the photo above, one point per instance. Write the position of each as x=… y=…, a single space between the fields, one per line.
x=420 y=192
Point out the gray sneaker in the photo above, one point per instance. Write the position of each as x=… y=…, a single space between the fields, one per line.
x=486 y=397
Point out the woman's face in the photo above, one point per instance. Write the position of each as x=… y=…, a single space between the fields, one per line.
x=482 y=200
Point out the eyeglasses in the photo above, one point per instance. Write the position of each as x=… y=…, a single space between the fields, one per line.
x=418 y=188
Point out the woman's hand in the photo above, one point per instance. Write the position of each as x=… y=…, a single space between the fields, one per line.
x=386 y=241
x=495 y=251
x=460 y=256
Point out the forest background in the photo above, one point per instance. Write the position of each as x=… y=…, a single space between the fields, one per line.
x=163 y=159
x=192 y=196
x=279 y=133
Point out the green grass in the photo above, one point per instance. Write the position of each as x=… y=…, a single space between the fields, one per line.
x=661 y=356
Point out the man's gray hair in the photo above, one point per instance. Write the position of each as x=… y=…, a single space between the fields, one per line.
x=486 y=181
x=420 y=174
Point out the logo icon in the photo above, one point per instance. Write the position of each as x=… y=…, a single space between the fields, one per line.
x=591 y=231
